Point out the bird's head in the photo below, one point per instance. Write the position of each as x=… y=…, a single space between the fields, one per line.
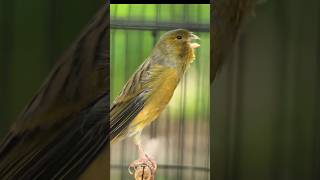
x=178 y=44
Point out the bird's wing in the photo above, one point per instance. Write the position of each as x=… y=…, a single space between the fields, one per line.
x=131 y=100
x=135 y=95
x=65 y=125
x=122 y=113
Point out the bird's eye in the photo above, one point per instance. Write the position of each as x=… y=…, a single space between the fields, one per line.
x=179 y=37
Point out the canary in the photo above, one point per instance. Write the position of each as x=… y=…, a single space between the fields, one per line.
x=150 y=88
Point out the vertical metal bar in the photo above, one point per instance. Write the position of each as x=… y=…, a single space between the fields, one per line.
x=168 y=125
x=181 y=126
x=124 y=149
x=167 y=136
x=207 y=117
x=112 y=66
x=182 y=112
x=180 y=130
x=141 y=34
x=196 y=117
x=153 y=126
x=113 y=36
x=177 y=150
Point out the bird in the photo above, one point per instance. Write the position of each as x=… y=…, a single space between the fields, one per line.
x=63 y=131
x=148 y=91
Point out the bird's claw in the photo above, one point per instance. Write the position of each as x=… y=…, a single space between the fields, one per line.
x=146 y=162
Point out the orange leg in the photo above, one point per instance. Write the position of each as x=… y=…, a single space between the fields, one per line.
x=144 y=161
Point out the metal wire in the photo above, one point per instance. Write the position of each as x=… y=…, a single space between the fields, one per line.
x=195 y=125
x=160 y=26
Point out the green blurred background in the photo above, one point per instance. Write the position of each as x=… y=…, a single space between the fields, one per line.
x=33 y=34
x=181 y=134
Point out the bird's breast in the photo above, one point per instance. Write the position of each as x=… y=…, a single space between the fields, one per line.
x=161 y=93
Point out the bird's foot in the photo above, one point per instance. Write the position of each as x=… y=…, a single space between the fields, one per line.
x=143 y=167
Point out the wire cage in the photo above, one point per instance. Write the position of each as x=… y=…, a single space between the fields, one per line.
x=179 y=139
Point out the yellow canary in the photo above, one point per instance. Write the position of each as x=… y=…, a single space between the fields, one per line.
x=150 y=88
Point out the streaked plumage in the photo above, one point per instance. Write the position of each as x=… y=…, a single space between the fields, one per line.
x=151 y=87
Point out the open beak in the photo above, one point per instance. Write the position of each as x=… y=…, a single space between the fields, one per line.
x=193 y=37
x=193 y=44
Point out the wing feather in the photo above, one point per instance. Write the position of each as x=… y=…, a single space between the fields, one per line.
x=130 y=102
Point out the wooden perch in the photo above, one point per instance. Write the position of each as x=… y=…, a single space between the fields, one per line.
x=142 y=172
